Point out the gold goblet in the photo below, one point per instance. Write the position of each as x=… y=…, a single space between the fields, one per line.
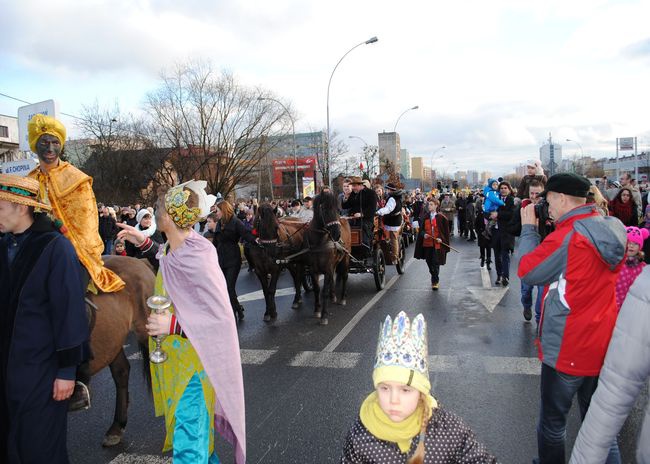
x=158 y=304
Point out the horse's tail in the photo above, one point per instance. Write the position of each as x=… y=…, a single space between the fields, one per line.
x=146 y=368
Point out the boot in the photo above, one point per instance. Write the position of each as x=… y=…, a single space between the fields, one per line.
x=482 y=262
x=240 y=313
x=488 y=262
x=80 y=399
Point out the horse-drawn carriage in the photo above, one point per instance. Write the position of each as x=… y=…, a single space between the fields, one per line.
x=380 y=252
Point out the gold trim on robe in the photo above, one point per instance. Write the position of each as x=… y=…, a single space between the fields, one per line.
x=70 y=194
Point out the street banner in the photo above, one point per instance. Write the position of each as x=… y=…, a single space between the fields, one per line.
x=18 y=168
x=25 y=113
x=308 y=187
x=626 y=143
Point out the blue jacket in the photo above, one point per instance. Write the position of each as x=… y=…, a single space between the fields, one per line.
x=492 y=200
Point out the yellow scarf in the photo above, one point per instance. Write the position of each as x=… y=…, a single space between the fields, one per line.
x=382 y=427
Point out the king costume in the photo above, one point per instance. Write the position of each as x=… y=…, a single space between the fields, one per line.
x=68 y=191
x=199 y=388
x=43 y=332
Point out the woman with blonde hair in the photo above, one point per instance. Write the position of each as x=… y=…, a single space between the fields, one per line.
x=595 y=196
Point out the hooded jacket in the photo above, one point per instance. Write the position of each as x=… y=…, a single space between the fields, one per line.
x=578 y=264
x=492 y=200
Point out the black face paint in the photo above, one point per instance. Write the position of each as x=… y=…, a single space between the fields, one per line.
x=48 y=149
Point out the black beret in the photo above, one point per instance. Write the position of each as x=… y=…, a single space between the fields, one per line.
x=568 y=184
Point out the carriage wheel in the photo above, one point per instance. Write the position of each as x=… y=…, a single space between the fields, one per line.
x=401 y=260
x=379 y=268
x=307 y=283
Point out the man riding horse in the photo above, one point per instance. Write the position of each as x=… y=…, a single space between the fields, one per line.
x=68 y=193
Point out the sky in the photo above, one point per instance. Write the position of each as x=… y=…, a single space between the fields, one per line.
x=491 y=78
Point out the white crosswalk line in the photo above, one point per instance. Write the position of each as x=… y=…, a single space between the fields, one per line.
x=511 y=365
x=325 y=359
x=442 y=363
x=128 y=458
x=256 y=356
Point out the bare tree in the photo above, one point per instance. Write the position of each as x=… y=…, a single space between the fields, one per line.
x=217 y=129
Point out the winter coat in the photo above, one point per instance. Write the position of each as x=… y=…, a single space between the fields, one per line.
x=448 y=440
x=625 y=373
x=524 y=185
x=578 y=264
x=502 y=237
x=470 y=214
x=443 y=233
x=107 y=228
x=364 y=202
x=492 y=200
x=226 y=239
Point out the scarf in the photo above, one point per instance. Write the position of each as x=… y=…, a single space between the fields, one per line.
x=621 y=210
x=149 y=231
x=382 y=427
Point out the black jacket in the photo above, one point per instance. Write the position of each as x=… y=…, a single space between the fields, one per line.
x=503 y=236
x=107 y=228
x=364 y=202
x=226 y=239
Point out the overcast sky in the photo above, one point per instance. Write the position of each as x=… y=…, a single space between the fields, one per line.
x=491 y=78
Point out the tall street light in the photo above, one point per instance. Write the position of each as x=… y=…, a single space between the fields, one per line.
x=577 y=143
x=432 y=158
x=400 y=116
x=365 y=145
x=293 y=132
x=329 y=172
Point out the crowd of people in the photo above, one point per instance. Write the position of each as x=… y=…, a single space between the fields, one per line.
x=581 y=247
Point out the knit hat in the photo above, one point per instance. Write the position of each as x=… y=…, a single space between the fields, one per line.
x=141 y=214
x=636 y=235
x=40 y=125
x=402 y=353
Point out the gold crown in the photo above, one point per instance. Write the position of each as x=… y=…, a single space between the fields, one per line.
x=403 y=344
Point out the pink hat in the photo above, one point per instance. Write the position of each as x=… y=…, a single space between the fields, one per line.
x=636 y=235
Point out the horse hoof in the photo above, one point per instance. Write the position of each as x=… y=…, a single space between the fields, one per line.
x=317 y=314
x=111 y=440
x=343 y=302
x=323 y=321
x=267 y=317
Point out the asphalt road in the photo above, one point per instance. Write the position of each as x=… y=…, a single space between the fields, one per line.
x=304 y=383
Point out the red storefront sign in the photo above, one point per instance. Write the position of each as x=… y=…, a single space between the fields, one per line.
x=306 y=168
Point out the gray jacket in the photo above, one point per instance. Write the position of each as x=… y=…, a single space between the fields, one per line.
x=626 y=371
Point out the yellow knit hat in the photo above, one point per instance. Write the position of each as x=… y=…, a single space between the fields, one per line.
x=41 y=125
x=402 y=353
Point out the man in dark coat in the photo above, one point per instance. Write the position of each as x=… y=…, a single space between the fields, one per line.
x=362 y=204
x=43 y=327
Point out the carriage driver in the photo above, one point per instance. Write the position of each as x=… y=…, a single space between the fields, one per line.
x=362 y=204
x=69 y=196
x=392 y=213
x=43 y=327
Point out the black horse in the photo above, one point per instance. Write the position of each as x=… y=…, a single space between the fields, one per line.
x=277 y=240
x=328 y=240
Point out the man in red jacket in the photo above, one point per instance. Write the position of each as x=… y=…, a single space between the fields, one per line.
x=578 y=264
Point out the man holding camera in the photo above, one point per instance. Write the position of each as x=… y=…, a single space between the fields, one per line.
x=578 y=265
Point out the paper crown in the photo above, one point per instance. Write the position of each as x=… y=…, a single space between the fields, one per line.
x=403 y=344
x=176 y=203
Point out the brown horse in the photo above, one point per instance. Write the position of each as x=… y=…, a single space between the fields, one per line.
x=117 y=314
x=329 y=242
x=278 y=239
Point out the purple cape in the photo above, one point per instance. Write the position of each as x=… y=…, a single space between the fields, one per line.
x=194 y=281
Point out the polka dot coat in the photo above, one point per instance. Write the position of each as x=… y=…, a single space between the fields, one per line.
x=626 y=277
x=448 y=440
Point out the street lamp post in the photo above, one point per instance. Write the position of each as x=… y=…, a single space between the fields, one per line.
x=329 y=172
x=403 y=113
x=293 y=132
x=432 y=158
x=582 y=155
x=365 y=145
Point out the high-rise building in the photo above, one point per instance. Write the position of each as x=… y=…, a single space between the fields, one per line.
x=551 y=156
x=405 y=165
x=485 y=175
x=472 y=178
x=417 y=171
x=389 y=149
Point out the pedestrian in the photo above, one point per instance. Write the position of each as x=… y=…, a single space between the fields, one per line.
x=343 y=196
x=491 y=199
x=461 y=204
x=503 y=242
x=210 y=226
x=624 y=208
x=544 y=227
x=44 y=330
x=199 y=388
x=470 y=218
x=381 y=199
x=484 y=237
x=448 y=209
x=578 y=264
x=432 y=243
x=534 y=171
x=119 y=247
x=595 y=196
x=624 y=375
x=400 y=422
x=629 y=183
x=634 y=263
x=391 y=213
x=227 y=235
x=107 y=228
x=249 y=224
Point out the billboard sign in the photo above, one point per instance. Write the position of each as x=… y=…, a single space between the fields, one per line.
x=25 y=113
x=308 y=187
x=626 y=143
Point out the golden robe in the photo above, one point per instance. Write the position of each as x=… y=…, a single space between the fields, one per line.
x=69 y=191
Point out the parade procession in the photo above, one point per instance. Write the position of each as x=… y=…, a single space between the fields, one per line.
x=201 y=261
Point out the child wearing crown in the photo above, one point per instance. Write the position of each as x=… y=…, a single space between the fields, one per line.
x=400 y=422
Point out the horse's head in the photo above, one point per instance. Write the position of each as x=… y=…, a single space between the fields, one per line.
x=326 y=214
x=266 y=222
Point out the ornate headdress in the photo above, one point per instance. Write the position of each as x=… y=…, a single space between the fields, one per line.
x=40 y=125
x=176 y=203
x=21 y=190
x=402 y=352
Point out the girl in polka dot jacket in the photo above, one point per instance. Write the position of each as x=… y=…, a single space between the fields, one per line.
x=400 y=422
x=634 y=263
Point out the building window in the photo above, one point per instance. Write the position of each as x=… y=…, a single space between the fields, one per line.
x=4 y=131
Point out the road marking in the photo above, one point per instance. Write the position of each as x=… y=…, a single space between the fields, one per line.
x=259 y=294
x=326 y=359
x=255 y=357
x=511 y=365
x=442 y=363
x=345 y=331
x=127 y=458
x=489 y=296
